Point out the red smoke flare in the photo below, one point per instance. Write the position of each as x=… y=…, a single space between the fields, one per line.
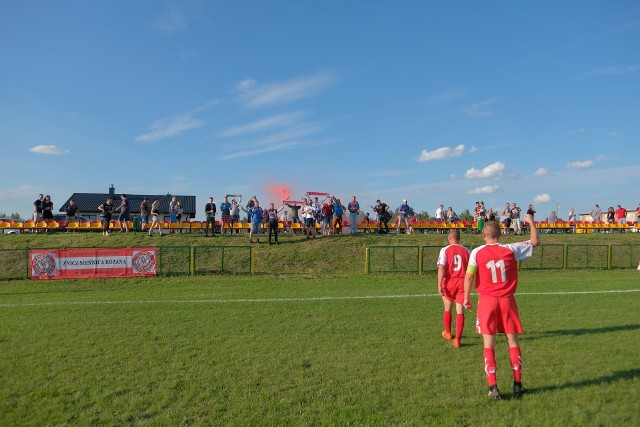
x=278 y=192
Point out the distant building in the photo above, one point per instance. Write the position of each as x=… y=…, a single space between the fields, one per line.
x=88 y=203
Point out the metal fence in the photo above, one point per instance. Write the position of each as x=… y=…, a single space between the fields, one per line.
x=422 y=259
x=172 y=261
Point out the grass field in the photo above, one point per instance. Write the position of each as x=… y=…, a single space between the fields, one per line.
x=310 y=349
x=310 y=340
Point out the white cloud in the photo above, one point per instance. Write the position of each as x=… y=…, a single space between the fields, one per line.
x=602 y=158
x=173 y=21
x=542 y=198
x=580 y=165
x=441 y=153
x=487 y=189
x=447 y=96
x=253 y=95
x=613 y=70
x=170 y=127
x=614 y=134
x=480 y=109
x=473 y=149
x=262 y=125
x=49 y=149
x=494 y=169
x=541 y=172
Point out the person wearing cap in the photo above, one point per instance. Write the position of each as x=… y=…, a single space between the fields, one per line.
x=403 y=215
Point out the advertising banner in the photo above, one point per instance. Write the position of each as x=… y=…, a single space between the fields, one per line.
x=92 y=262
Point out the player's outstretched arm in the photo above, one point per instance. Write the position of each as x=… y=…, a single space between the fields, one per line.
x=535 y=237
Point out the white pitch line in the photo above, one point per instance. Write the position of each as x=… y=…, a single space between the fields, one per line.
x=263 y=300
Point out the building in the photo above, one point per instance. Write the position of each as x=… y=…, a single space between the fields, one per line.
x=88 y=203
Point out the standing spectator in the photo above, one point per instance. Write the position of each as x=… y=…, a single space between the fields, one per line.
x=250 y=204
x=439 y=214
x=596 y=213
x=37 y=209
x=451 y=215
x=480 y=215
x=225 y=213
x=210 y=213
x=403 y=215
x=338 y=211
x=638 y=215
x=272 y=217
x=493 y=268
x=326 y=213
x=491 y=215
x=124 y=213
x=552 y=218
x=255 y=213
x=452 y=266
x=47 y=209
x=383 y=215
x=295 y=216
x=173 y=211
x=506 y=218
x=178 y=208
x=155 y=215
x=515 y=218
x=571 y=217
x=621 y=215
x=354 y=209
x=72 y=211
x=307 y=213
x=106 y=208
x=413 y=220
x=235 y=213
x=611 y=215
x=145 y=211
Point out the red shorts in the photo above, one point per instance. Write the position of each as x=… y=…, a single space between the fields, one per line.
x=498 y=315
x=453 y=290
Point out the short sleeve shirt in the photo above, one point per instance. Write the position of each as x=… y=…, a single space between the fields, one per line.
x=455 y=259
x=496 y=267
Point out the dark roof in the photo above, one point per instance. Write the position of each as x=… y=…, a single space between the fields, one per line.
x=89 y=202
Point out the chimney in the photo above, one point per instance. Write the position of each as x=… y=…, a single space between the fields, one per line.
x=112 y=191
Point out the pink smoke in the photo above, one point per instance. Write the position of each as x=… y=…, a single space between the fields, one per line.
x=278 y=192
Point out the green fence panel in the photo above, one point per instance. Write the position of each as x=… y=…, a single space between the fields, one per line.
x=625 y=256
x=386 y=259
x=430 y=258
x=587 y=256
x=173 y=260
x=222 y=259
x=14 y=264
x=545 y=257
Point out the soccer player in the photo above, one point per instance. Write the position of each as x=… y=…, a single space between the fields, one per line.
x=452 y=266
x=493 y=266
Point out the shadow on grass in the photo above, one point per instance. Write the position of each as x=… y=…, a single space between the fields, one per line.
x=616 y=376
x=583 y=331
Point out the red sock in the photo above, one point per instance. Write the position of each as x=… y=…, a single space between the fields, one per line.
x=459 y=325
x=516 y=363
x=446 y=318
x=490 y=365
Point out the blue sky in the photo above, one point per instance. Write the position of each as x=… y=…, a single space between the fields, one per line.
x=437 y=102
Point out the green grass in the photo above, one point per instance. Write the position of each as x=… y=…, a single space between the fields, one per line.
x=309 y=349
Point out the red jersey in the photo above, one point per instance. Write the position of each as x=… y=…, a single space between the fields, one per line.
x=455 y=259
x=496 y=267
x=621 y=213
